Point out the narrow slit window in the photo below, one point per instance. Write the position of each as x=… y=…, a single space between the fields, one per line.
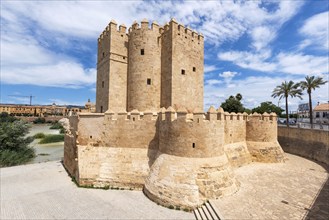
x=142 y=51
x=101 y=109
x=193 y=145
x=183 y=72
x=148 y=81
x=194 y=69
x=103 y=54
x=103 y=84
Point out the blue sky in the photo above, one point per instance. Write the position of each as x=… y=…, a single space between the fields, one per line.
x=49 y=48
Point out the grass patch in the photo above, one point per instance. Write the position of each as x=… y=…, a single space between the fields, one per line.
x=56 y=125
x=39 y=135
x=52 y=138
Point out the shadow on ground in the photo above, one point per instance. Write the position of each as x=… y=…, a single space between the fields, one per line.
x=320 y=207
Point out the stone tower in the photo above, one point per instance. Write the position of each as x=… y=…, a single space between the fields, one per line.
x=144 y=69
x=182 y=67
x=149 y=67
x=112 y=63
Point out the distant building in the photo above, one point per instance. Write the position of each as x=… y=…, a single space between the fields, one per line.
x=321 y=113
x=45 y=110
x=303 y=110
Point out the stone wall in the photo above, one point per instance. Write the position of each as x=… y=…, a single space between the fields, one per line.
x=308 y=143
x=180 y=158
x=262 y=138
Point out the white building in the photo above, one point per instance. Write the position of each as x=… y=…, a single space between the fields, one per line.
x=321 y=113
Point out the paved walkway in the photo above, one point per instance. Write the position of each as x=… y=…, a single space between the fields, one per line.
x=292 y=190
x=44 y=191
x=296 y=189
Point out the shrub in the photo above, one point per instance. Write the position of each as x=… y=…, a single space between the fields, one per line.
x=39 y=121
x=39 y=135
x=12 y=157
x=52 y=138
x=14 y=148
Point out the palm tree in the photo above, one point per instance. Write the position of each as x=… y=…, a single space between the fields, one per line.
x=311 y=83
x=287 y=89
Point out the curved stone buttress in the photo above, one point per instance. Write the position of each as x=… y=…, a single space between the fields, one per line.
x=191 y=165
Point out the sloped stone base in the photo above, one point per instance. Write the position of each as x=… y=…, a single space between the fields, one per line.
x=189 y=182
x=266 y=152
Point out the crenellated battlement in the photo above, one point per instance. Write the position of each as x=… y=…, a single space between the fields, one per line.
x=185 y=32
x=144 y=25
x=170 y=114
x=134 y=115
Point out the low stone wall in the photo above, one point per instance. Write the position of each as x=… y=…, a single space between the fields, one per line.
x=312 y=144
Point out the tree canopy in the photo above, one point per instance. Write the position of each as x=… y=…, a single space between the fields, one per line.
x=311 y=83
x=267 y=107
x=14 y=147
x=233 y=104
x=285 y=90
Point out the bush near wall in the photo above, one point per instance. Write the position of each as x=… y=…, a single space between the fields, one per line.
x=14 y=149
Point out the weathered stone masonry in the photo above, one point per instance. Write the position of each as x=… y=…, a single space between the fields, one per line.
x=178 y=154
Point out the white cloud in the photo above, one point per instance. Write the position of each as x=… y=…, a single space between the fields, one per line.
x=297 y=63
x=290 y=63
x=316 y=30
x=262 y=36
x=228 y=74
x=249 y=60
x=213 y=82
x=62 y=74
x=209 y=68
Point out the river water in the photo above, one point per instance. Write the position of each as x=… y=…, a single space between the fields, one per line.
x=45 y=152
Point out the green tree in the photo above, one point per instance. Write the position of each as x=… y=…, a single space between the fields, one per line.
x=285 y=90
x=311 y=83
x=233 y=104
x=268 y=107
x=14 y=147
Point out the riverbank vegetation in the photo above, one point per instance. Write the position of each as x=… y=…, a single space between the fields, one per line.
x=52 y=138
x=14 y=149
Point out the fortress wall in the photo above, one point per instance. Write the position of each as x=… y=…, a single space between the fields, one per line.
x=113 y=167
x=90 y=128
x=70 y=147
x=262 y=138
x=308 y=143
x=235 y=139
x=121 y=150
x=235 y=128
x=130 y=131
x=190 y=138
x=144 y=73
